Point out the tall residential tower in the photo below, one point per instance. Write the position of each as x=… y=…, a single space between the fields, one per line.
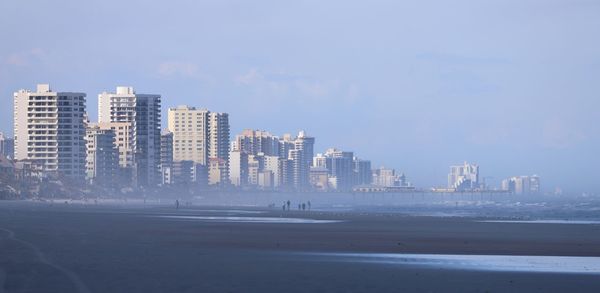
x=49 y=130
x=143 y=112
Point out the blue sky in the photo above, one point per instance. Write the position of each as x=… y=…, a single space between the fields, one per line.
x=415 y=85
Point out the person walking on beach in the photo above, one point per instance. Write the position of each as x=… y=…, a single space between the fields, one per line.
x=283 y=206
x=288 y=205
x=309 y=205
x=176 y=204
x=303 y=206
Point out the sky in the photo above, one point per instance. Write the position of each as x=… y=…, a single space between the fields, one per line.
x=511 y=85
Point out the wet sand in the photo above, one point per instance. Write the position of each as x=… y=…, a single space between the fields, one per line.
x=72 y=248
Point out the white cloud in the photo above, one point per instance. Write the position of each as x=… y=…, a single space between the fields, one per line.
x=251 y=78
x=299 y=86
x=171 y=69
x=25 y=58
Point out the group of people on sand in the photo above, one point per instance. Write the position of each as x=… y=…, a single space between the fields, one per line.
x=301 y=206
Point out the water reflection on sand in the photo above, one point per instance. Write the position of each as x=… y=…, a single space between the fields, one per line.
x=226 y=219
x=507 y=263
x=573 y=222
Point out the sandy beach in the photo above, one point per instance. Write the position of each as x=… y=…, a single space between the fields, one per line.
x=138 y=248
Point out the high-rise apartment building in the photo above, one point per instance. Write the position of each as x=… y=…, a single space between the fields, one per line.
x=166 y=156
x=522 y=184
x=341 y=168
x=49 y=130
x=123 y=132
x=464 y=177
x=166 y=149
x=301 y=159
x=273 y=164
x=7 y=146
x=238 y=173
x=190 y=133
x=253 y=142
x=144 y=113
x=385 y=177
x=102 y=161
x=362 y=172
x=218 y=148
x=202 y=137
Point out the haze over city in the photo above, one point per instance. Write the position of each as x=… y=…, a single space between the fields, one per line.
x=510 y=85
x=299 y=146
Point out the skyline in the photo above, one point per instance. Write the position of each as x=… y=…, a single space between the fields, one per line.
x=525 y=108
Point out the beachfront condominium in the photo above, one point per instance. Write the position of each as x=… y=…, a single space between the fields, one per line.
x=218 y=148
x=362 y=172
x=300 y=153
x=202 y=137
x=253 y=142
x=341 y=168
x=7 y=146
x=189 y=127
x=464 y=177
x=49 y=130
x=102 y=162
x=142 y=112
x=522 y=184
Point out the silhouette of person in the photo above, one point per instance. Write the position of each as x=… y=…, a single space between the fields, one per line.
x=303 y=206
x=288 y=205
x=309 y=205
x=176 y=204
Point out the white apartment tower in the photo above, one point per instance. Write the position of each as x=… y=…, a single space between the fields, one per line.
x=143 y=112
x=464 y=177
x=301 y=157
x=190 y=134
x=49 y=129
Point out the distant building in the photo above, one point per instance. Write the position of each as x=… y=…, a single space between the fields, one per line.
x=464 y=177
x=266 y=179
x=7 y=170
x=218 y=171
x=166 y=149
x=190 y=130
x=256 y=164
x=273 y=164
x=183 y=172
x=362 y=172
x=384 y=177
x=320 y=160
x=319 y=178
x=123 y=132
x=238 y=163
x=522 y=184
x=253 y=142
x=7 y=146
x=143 y=113
x=218 y=148
x=202 y=137
x=166 y=157
x=286 y=160
x=301 y=159
x=341 y=168
x=102 y=161
x=49 y=129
